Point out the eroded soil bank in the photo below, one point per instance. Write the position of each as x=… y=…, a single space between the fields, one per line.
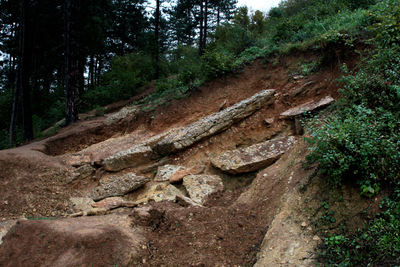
x=266 y=217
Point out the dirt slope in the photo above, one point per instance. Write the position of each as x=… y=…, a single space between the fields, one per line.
x=227 y=231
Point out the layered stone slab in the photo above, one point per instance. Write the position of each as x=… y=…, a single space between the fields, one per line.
x=254 y=157
x=213 y=124
x=200 y=186
x=133 y=157
x=119 y=187
x=310 y=106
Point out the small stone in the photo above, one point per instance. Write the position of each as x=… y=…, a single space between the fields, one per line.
x=304 y=224
x=283 y=262
x=316 y=238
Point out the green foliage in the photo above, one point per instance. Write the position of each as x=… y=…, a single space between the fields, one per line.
x=231 y=38
x=216 y=64
x=361 y=140
x=127 y=75
x=386 y=30
x=376 y=244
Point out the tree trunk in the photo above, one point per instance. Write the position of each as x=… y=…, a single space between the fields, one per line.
x=71 y=62
x=205 y=24
x=91 y=76
x=22 y=86
x=157 y=41
x=201 y=51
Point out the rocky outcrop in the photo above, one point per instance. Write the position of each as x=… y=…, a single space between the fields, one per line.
x=119 y=187
x=309 y=106
x=123 y=113
x=213 y=124
x=200 y=186
x=133 y=157
x=254 y=157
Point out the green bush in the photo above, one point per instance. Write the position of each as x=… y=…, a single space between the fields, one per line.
x=216 y=64
x=377 y=243
x=127 y=75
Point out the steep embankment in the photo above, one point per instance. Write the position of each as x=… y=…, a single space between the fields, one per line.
x=218 y=215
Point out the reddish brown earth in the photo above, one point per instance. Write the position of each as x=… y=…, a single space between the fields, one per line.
x=228 y=231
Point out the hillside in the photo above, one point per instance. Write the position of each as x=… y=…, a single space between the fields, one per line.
x=266 y=216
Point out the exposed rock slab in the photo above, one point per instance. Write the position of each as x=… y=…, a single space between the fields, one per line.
x=213 y=124
x=123 y=113
x=133 y=157
x=119 y=187
x=254 y=157
x=200 y=186
x=310 y=106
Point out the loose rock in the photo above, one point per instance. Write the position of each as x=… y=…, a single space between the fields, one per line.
x=310 y=106
x=159 y=193
x=113 y=202
x=165 y=172
x=254 y=157
x=119 y=187
x=180 y=174
x=200 y=186
x=133 y=157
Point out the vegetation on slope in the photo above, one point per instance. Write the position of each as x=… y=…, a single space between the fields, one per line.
x=359 y=141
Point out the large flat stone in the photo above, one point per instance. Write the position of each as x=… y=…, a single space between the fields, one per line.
x=133 y=157
x=119 y=187
x=200 y=186
x=254 y=157
x=309 y=106
x=213 y=124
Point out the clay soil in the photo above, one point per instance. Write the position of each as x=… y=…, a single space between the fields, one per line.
x=225 y=232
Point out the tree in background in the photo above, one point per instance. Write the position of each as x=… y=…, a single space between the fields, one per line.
x=71 y=9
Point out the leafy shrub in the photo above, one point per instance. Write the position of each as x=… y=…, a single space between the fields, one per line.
x=127 y=75
x=216 y=64
x=375 y=244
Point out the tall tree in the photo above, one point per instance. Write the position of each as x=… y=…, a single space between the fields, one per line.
x=71 y=8
x=22 y=85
